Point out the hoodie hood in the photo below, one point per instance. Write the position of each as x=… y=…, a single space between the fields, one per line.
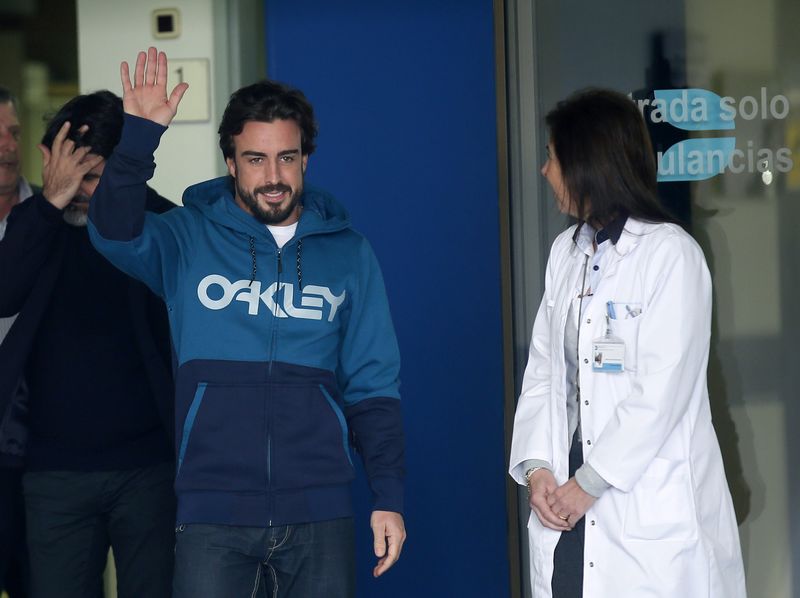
x=215 y=199
x=321 y=214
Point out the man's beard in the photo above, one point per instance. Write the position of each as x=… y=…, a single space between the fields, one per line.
x=74 y=215
x=274 y=214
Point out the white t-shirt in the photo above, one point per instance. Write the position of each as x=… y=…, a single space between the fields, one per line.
x=282 y=234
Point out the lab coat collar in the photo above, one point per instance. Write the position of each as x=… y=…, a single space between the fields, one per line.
x=632 y=234
x=585 y=235
x=612 y=231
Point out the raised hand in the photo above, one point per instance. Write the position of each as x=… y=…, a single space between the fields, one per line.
x=64 y=166
x=147 y=97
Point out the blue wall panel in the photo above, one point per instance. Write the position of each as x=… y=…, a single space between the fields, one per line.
x=405 y=96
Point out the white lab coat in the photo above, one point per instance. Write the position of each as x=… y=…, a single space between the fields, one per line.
x=666 y=527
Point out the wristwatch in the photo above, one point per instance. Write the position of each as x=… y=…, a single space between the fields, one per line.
x=528 y=475
x=530 y=472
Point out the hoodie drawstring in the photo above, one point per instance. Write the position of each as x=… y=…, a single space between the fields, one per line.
x=299 y=268
x=299 y=262
x=253 y=255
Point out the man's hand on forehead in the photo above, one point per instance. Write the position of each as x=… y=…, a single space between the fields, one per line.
x=64 y=165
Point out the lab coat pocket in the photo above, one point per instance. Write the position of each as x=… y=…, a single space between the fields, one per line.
x=627 y=329
x=626 y=310
x=661 y=504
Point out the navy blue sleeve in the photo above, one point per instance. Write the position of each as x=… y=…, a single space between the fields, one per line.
x=377 y=428
x=118 y=205
x=369 y=368
x=143 y=247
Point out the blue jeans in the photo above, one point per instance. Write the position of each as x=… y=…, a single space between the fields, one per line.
x=309 y=560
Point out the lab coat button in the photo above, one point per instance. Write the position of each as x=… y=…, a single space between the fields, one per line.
x=586 y=402
x=589 y=442
x=595 y=268
x=592 y=522
x=588 y=320
x=585 y=360
x=591 y=564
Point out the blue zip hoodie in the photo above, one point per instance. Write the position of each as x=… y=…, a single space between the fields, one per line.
x=281 y=353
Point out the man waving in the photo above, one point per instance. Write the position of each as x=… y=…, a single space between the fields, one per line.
x=284 y=343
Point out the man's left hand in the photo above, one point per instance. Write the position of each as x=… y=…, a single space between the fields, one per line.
x=570 y=502
x=390 y=533
x=146 y=97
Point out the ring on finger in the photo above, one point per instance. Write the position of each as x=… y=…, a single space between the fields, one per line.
x=563 y=517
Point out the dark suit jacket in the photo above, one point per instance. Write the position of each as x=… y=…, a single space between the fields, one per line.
x=31 y=255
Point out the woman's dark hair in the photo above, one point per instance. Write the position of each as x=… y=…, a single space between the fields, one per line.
x=606 y=157
x=267 y=101
x=101 y=111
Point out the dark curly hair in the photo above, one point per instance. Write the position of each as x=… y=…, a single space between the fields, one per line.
x=101 y=111
x=267 y=101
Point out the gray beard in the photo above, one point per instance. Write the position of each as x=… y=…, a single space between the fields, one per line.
x=75 y=217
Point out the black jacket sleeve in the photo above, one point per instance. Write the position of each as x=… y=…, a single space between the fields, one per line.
x=33 y=225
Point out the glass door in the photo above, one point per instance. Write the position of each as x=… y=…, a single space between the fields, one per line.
x=718 y=82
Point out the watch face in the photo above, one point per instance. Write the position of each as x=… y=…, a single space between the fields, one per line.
x=532 y=471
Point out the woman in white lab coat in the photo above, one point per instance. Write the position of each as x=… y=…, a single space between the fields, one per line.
x=613 y=433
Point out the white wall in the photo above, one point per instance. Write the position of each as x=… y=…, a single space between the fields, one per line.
x=111 y=31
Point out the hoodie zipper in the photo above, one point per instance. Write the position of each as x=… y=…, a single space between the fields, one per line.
x=275 y=318
x=270 y=390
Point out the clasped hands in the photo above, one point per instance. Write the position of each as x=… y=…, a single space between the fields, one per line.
x=557 y=507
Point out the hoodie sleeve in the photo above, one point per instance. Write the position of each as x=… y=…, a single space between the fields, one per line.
x=141 y=245
x=369 y=366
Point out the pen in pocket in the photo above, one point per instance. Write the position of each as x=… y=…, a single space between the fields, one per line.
x=632 y=312
x=611 y=311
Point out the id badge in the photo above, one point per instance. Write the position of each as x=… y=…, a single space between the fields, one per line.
x=608 y=354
